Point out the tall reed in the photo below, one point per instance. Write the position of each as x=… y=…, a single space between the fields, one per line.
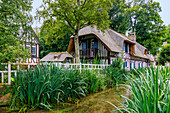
x=95 y=80
x=150 y=92
x=46 y=85
x=115 y=74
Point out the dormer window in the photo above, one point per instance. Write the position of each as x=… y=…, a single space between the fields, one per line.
x=126 y=47
x=129 y=47
x=55 y=57
x=145 y=52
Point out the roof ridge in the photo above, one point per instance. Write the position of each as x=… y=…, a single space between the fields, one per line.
x=59 y=52
x=126 y=37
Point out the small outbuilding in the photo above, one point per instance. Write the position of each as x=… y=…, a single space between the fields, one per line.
x=63 y=57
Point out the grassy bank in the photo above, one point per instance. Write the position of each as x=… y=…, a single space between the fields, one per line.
x=47 y=86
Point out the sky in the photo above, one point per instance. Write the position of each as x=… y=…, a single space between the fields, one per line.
x=165 y=14
x=36 y=4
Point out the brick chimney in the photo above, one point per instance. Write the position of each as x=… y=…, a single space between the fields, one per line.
x=132 y=36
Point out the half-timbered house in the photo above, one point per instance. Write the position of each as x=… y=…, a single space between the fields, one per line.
x=108 y=45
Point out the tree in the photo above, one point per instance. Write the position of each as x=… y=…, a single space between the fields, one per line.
x=142 y=17
x=164 y=54
x=120 y=19
x=167 y=38
x=14 y=16
x=51 y=44
x=147 y=24
x=76 y=14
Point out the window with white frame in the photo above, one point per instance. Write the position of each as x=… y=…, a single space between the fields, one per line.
x=34 y=51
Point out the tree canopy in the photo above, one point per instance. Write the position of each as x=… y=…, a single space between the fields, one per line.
x=75 y=14
x=49 y=43
x=14 y=17
x=142 y=17
x=164 y=54
x=120 y=19
x=167 y=38
x=148 y=24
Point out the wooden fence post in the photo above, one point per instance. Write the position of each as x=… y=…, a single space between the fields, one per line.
x=60 y=65
x=15 y=73
x=80 y=68
x=28 y=66
x=9 y=73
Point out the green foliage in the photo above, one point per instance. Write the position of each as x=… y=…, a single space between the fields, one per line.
x=148 y=24
x=167 y=38
x=14 y=16
x=115 y=74
x=150 y=92
x=120 y=19
x=142 y=17
x=46 y=85
x=59 y=45
x=164 y=54
x=74 y=15
x=95 y=81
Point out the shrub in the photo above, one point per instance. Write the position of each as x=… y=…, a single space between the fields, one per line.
x=94 y=80
x=46 y=85
x=164 y=55
x=150 y=91
x=114 y=74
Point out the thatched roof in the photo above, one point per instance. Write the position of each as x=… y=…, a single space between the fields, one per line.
x=112 y=40
x=103 y=37
x=56 y=57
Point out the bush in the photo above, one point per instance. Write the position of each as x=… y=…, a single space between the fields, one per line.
x=114 y=74
x=164 y=55
x=46 y=85
x=94 y=80
x=150 y=91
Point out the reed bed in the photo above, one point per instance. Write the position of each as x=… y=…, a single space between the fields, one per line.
x=46 y=85
x=150 y=92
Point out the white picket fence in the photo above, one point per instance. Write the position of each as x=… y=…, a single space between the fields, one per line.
x=72 y=66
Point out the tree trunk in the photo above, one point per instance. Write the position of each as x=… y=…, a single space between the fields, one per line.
x=77 y=52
